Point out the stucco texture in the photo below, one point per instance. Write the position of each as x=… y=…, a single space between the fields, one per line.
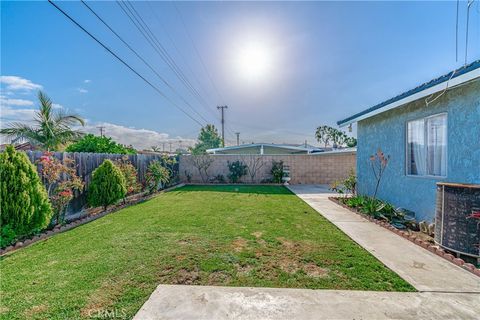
x=388 y=131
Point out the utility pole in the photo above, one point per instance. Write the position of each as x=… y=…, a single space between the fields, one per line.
x=101 y=130
x=238 y=138
x=222 y=108
x=170 y=143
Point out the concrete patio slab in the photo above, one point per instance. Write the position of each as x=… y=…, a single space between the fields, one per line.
x=421 y=268
x=206 y=302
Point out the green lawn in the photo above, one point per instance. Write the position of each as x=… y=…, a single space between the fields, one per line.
x=261 y=236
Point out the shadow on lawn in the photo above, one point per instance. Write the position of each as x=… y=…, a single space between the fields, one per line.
x=237 y=188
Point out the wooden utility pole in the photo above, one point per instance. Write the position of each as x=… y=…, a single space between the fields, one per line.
x=102 y=128
x=222 y=108
x=238 y=138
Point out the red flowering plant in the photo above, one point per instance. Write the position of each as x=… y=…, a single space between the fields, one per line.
x=130 y=173
x=378 y=162
x=61 y=181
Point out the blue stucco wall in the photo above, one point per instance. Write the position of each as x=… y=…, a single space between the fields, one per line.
x=388 y=130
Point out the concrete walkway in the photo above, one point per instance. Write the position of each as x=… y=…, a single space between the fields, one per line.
x=211 y=303
x=446 y=291
x=421 y=268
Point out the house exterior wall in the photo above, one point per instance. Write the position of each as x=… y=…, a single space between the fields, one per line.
x=388 y=132
x=323 y=168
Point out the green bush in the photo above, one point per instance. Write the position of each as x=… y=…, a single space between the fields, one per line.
x=237 y=170
x=99 y=144
x=277 y=171
x=24 y=203
x=157 y=176
x=107 y=185
x=130 y=173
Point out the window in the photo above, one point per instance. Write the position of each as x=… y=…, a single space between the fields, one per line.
x=427 y=146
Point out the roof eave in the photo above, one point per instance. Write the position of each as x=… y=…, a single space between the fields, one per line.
x=447 y=84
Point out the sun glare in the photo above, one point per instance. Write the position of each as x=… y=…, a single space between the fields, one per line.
x=254 y=61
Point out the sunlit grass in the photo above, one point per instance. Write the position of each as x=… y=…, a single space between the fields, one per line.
x=216 y=235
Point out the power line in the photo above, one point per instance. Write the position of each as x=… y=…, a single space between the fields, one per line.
x=198 y=53
x=146 y=32
x=123 y=62
x=144 y=61
x=180 y=53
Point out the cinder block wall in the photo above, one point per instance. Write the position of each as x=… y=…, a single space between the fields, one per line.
x=322 y=168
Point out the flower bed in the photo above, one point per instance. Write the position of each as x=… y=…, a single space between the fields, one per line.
x=411 y=236
x=92 y=214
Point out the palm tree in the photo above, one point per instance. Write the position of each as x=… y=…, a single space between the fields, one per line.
x=52 y=129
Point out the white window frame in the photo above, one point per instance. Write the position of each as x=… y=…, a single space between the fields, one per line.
x=429 y=176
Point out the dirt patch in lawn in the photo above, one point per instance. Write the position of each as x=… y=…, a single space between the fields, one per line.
x=104 y=296
x=244 y=270
x=287 y=244
x=218 y=278
x=239 y=244
x=257 y=234
x=29 y=313
x=184 y=276
x=314 y=271
x=288 y=265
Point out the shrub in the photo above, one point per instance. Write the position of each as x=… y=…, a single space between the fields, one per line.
x=157 y=176
x=23 y=198
x=348 y=185
x=130 y=174
x=61 y=181
x=277 y=171
x=107 y=185
x=97 y=144
x=237 y=170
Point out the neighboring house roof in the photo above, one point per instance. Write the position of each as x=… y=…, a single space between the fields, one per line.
x=294 y=148
x=26 y=146
x=454 y=78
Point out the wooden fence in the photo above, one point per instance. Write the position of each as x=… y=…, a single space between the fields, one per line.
x=86 y=163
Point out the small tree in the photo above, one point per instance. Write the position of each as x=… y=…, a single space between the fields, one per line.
x=378 y=162
x=157 y=176
x=237 y=170
x=107 y=185
x=323 y=135
x=277 y=171
x=338 y=137
x=202 y=163
x=130 y=174
x=254 y=164
x=61 y=181
x=208 y=138
x=23 y=199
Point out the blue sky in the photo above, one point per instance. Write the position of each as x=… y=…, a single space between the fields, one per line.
x=325 y=61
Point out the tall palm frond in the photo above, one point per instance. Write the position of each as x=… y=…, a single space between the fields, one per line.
x=53 y=127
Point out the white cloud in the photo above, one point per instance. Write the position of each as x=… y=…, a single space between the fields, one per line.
x=57 y=106
x=11 y=114
x=82 y=90
x=139 y=138
x=4 y=101
x=18 y=83
x=87 y=81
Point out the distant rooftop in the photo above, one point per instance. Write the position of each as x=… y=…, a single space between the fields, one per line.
x=453 y=78
x=291 y=148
